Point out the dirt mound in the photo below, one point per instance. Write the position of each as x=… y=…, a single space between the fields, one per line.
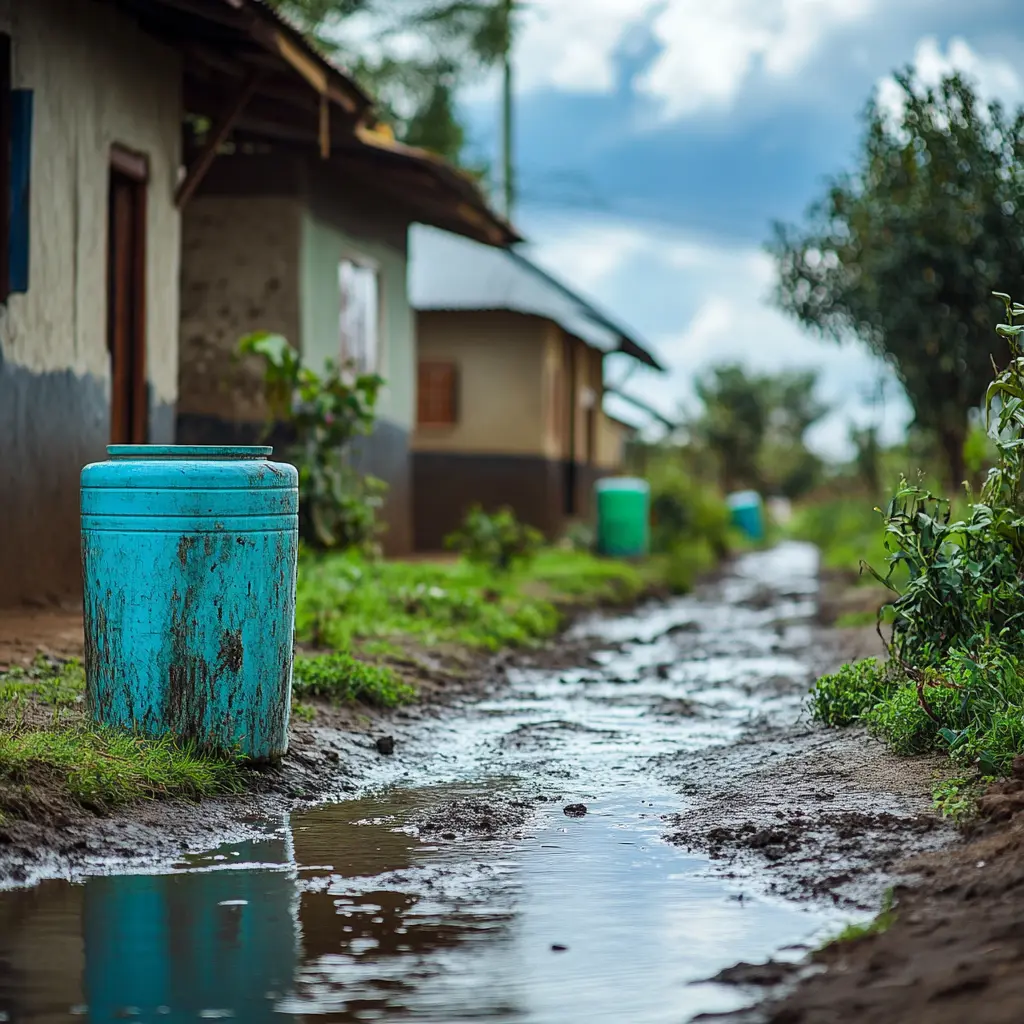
x=955 y=951
x=474 y=817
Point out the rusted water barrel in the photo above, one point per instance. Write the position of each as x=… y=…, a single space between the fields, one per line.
x=189 y=559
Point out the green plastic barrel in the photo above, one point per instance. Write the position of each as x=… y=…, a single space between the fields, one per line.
x=623 y=513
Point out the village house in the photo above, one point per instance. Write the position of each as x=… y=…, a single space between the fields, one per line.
x=315 y=250
x=113 y=113
x=511 y=390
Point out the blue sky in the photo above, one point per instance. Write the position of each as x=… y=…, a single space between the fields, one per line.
x=657 y=140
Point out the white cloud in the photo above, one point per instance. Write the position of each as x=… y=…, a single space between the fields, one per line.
x=994 y=77
x=709 y=48
x=713 y=308
x=571 y=44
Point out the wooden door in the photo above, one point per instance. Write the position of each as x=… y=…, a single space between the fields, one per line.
x=126 y=309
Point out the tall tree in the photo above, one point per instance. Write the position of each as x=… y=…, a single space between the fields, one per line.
x=423 y=53
x=905 y=251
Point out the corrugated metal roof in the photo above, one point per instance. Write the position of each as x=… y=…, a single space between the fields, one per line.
x=450 y=273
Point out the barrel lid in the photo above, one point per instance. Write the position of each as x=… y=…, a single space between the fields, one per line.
x=743 y=499
x=622 y=483
x=189 y=451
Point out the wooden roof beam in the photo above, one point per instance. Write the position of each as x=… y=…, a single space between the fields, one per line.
x=195 y=174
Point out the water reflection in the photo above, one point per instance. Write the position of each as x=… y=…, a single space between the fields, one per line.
x=348 y=916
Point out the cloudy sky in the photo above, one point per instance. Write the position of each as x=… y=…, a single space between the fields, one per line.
x=658 y=139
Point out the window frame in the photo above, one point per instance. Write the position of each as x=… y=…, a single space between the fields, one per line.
x=365 y=263
x=452 y=399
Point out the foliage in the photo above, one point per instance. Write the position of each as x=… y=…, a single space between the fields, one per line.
x=843 y=697
x=497 y=540
x=755 y=427
x=904 y=251
x=965 y=588
x=324 y=413
x=690 y=520
x=845 y=529
x=970 y=706
x=344 y=679
x=344 y=600
x=579 y=536
x=425 y=52
x=957 y=798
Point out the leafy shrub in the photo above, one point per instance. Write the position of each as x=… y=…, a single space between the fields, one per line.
x=903 y=721
x=843 y=697
x=324 y=413
x=579 y=537
x=684 y=510
x=958 y=608
x=498 y=541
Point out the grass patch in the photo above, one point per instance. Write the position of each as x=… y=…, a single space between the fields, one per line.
x=50 y=682
x=102 y=768
x=343 y=679
x=99 y=769
x=882 y=922
x=345 y=601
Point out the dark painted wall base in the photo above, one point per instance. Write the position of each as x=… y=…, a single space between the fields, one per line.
x=446 y=485
x=384 y=454
x=51 y=425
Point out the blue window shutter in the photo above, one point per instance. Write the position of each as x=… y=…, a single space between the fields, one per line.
x=21 y=165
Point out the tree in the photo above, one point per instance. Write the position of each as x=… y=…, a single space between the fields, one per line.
x=733 y=423
x=755 y=426
x=415 y=86
x=905 y=251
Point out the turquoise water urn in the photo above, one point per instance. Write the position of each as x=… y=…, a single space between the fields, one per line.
x=189 y=560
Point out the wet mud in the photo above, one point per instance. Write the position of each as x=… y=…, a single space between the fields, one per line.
x=636 y=824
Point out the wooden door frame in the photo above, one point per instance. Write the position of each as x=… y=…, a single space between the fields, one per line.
x=133 y=167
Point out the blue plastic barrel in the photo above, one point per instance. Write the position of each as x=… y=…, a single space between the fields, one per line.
x=747 y=513
x=189 y=559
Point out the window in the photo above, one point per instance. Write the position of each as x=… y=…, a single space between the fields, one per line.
x=436 y=389
x=360 y=315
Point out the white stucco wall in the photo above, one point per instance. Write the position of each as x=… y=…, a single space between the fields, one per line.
x=98 y=81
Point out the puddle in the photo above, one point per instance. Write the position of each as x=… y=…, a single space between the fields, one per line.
x=399 y=906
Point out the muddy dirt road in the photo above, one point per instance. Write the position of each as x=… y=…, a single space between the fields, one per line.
x=589 y=842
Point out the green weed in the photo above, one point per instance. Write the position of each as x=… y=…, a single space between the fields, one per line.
x=103 y=768
x=344 y=679
x=843 y=697
x=880 y=923
x=957 y=798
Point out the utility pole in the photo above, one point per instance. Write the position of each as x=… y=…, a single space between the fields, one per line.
x=507 y=174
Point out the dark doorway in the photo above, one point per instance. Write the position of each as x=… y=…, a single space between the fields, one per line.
x=126 y=297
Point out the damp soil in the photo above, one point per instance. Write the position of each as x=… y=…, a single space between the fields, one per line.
x=637 y=823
